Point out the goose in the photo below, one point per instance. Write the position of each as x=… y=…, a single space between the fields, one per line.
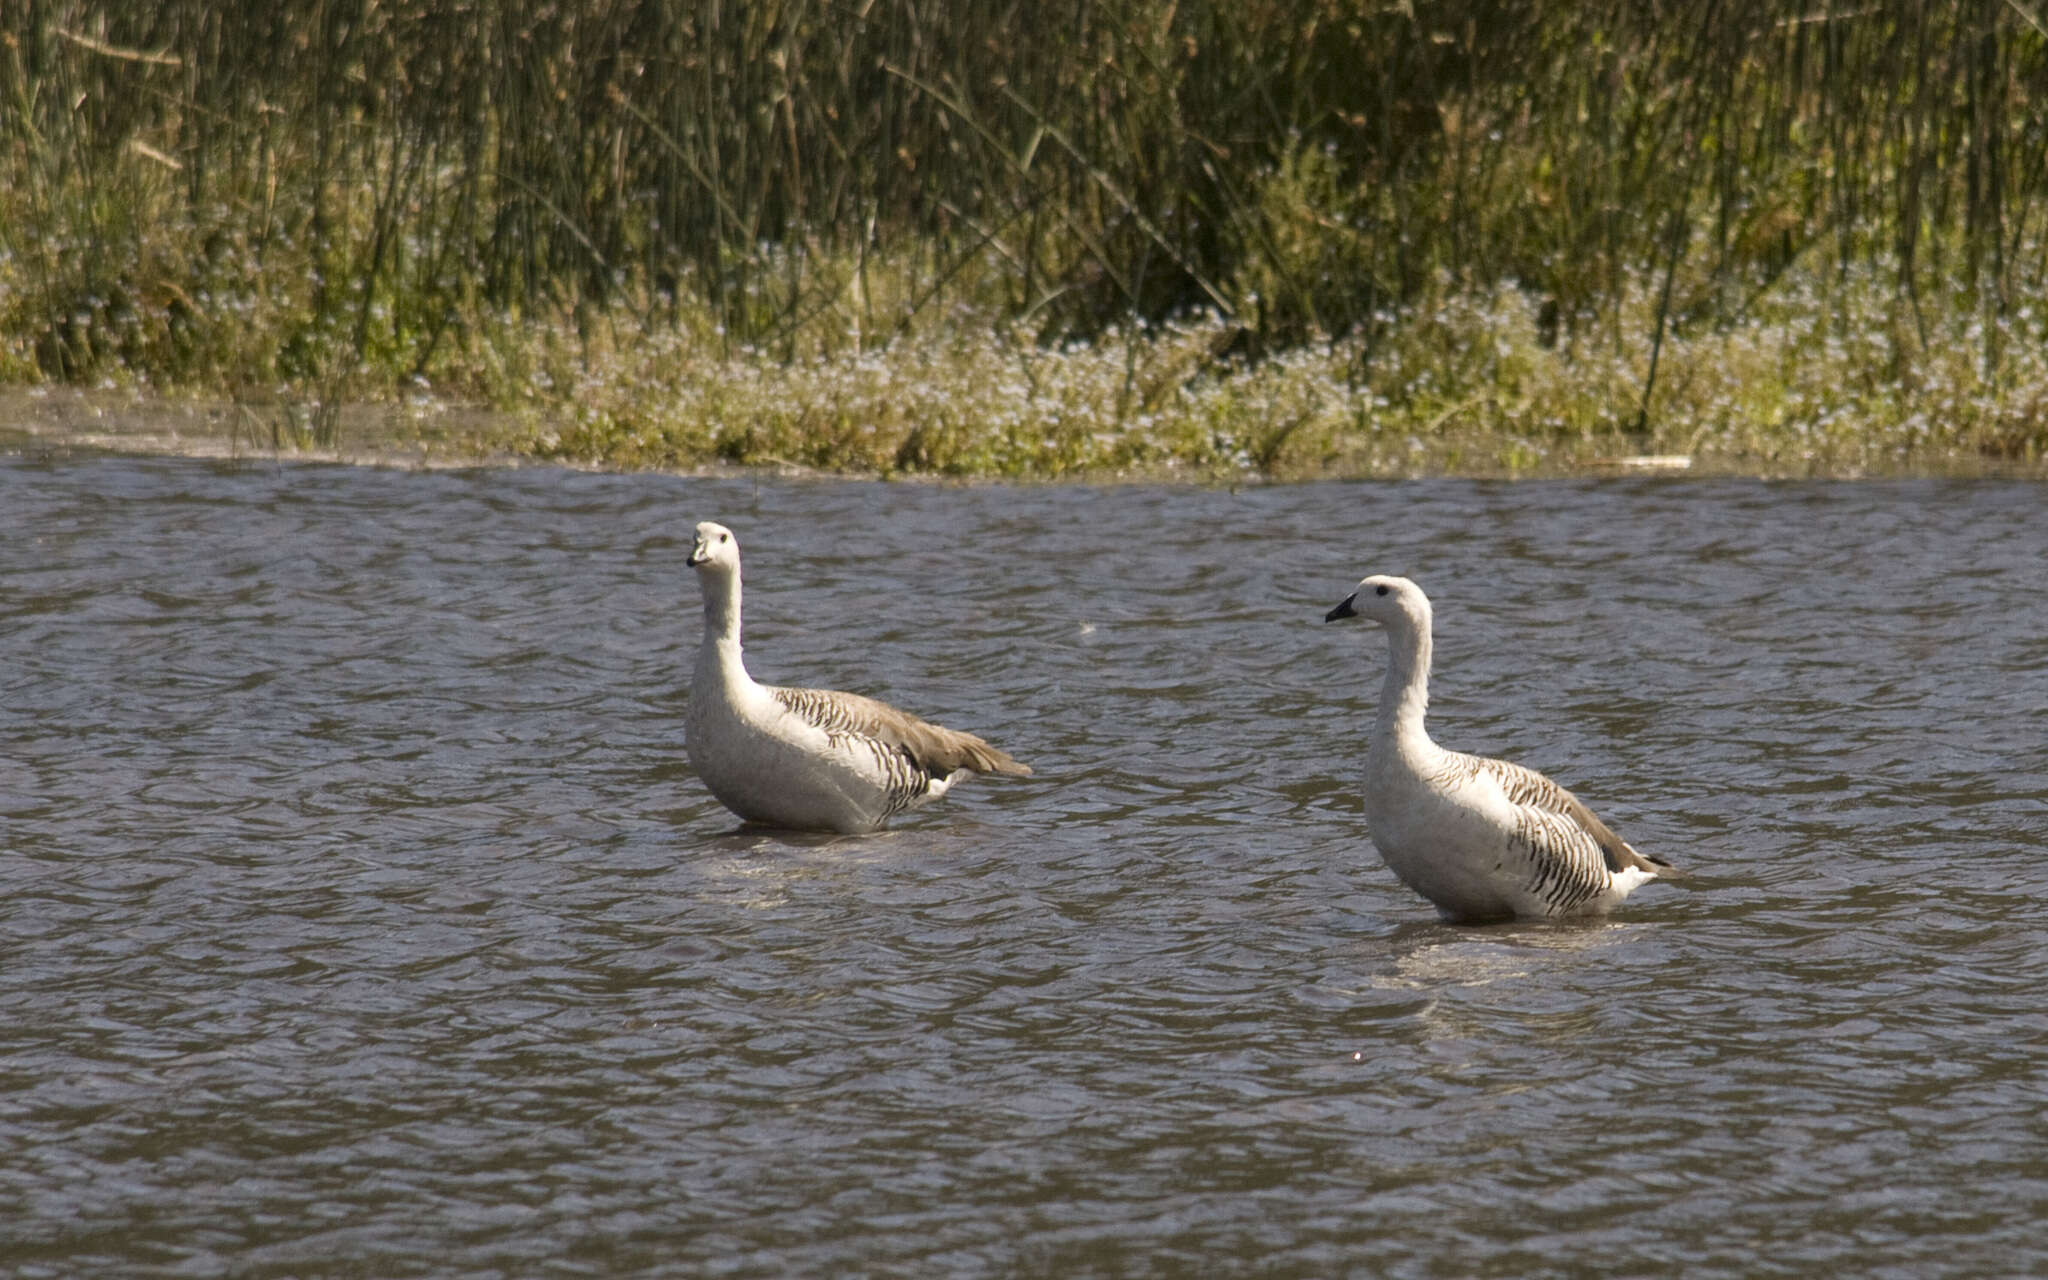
x=806 y=759
x=1482 y=839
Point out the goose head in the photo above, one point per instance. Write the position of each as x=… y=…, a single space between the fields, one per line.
x=716 y=549
x=1395 y=603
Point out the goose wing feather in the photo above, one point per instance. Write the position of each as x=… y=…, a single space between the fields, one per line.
x=1529 y=789
x=937 y=750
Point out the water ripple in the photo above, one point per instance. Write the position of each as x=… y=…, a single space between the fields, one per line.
x=362 y=915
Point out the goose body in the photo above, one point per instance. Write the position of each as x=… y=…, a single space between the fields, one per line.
x=1482 y=839
x=807 y=759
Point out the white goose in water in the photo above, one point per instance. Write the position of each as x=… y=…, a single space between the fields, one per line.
x=1482 y=839
x=809 y=759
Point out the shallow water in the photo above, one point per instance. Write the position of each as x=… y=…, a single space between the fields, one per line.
x=359 y=914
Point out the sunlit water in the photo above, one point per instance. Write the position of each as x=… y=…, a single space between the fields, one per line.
x=359 y=913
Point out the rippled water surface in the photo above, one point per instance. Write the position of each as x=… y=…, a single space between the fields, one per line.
x=360 y=915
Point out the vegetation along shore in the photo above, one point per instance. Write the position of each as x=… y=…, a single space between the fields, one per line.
x=1298 y=238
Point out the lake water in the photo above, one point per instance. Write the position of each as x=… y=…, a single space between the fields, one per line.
x=360 y=915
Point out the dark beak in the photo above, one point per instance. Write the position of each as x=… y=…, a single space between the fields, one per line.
x=697 y=556
x=1343 y=610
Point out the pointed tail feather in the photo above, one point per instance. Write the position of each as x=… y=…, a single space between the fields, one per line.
x=1663 y=868
x=970 y=752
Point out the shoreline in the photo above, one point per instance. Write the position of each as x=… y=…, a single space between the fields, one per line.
x=431 y=435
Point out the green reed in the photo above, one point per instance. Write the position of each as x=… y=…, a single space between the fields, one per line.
x=335 y=199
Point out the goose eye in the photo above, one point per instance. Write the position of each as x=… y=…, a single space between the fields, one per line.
x=1379 y=591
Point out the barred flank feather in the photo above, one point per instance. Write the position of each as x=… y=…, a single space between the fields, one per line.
x=1531 y=789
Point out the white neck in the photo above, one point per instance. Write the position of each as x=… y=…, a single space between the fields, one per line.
x=720 y=650
x=1404 y=697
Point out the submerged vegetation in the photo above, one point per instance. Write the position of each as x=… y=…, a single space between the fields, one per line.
x=979 y=238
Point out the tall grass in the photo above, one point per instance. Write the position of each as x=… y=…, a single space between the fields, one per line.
x=345 y=197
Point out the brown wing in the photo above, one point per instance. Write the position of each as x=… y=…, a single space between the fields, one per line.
x=935 y=749
x=1528 y=787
